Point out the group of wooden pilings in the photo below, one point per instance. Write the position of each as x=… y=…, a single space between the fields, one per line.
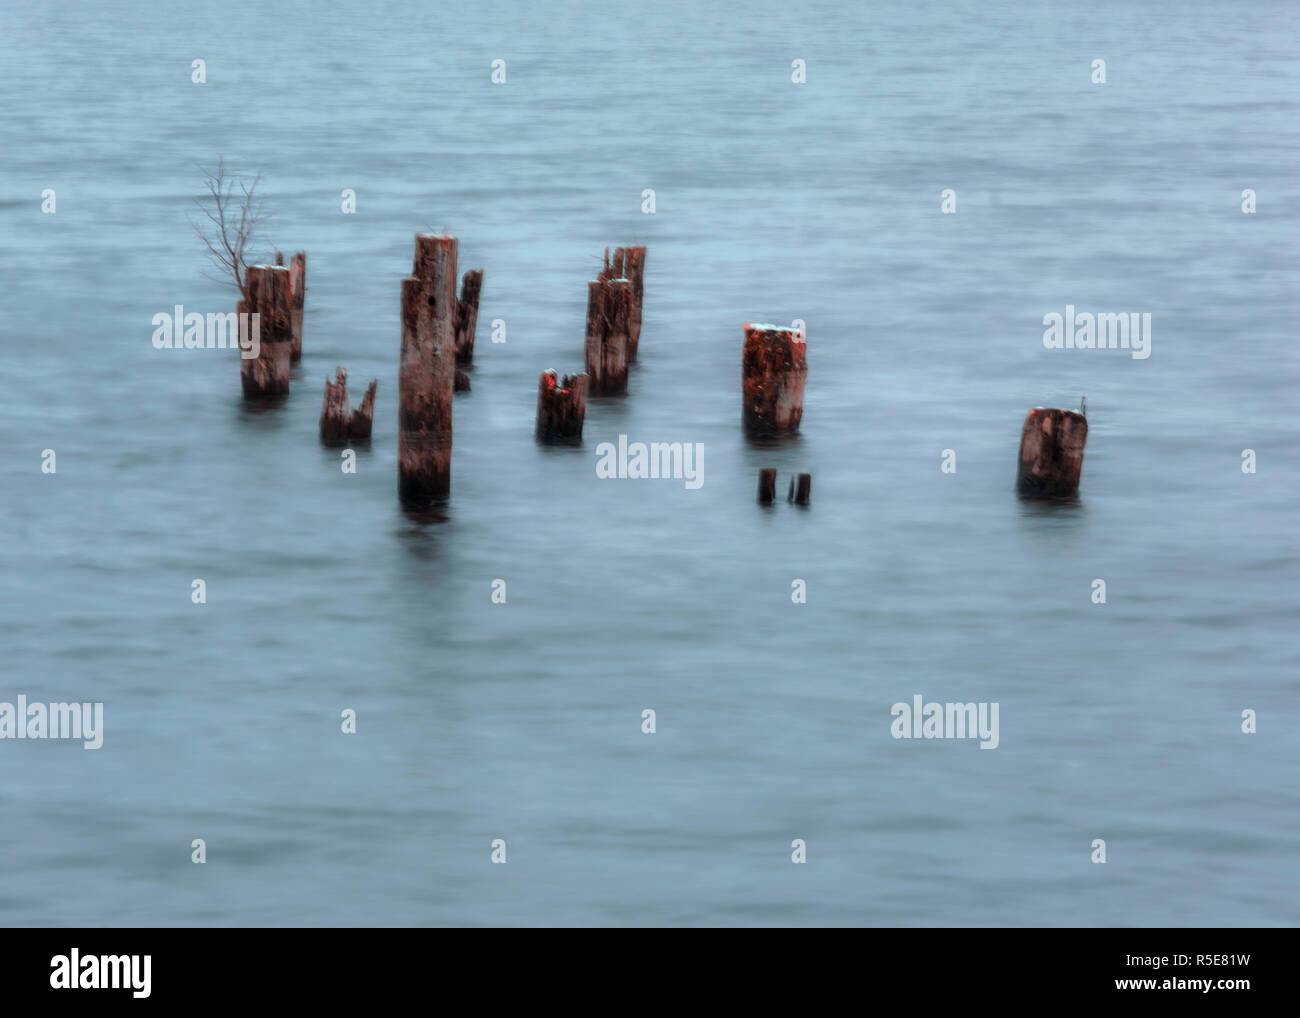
x=614 y=310
x=800 y=488
x=437 y=335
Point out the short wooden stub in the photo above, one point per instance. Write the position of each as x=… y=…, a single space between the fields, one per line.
x=561 y=407
x=426 y=375
x=1051 y=453
x=803 y=491
x=609 y=303
x=767 y=486
x=467 y=316
x=297 y=297
x=338 y=424
x=267 y=374
x=774 y=368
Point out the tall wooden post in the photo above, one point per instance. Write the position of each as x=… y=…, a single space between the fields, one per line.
x=297 y=296
x=608 y=307
x=267 y=374
x=774 y=368
x=629 y=263
x=1051 y=453
x=427 y=372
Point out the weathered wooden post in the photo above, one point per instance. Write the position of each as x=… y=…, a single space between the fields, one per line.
x=774 y=367
x=337 y=424
x=334 y=414
x=461 y=384
x=267 y=374
x=363 y=417
x=467 y=316
x=297 y=292
x=629 y=263
x=1051 y=453
x=767 y=486
x=799 y=495
x=608 y=306
x=561 y=407
x=427 y=372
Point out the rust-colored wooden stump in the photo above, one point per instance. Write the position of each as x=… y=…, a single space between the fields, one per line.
x=609 y=303
x=767 y=486
x=1051 y=453
x=629 y=263
x=340 y=425
x=267 y=374
x=467 y=316
x=334 y=414
x=774 y=368
x=427 y=372
x=297 y=295
x=561 y=407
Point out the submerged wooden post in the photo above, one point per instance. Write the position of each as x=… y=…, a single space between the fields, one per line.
x=467 y=316
x=803 y=491
x=427 y=372
x=334 y=414
x=561 y=406
x=338 y=424
x=267 y=374
x=297 y=292
x=363 y=417
x=609 y=303
x=1051 y=453
x=774 y=367
x=767 y=486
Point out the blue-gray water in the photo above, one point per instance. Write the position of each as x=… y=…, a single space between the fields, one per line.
x=522 y=721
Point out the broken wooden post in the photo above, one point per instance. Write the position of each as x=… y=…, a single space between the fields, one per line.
x=1051 y=453
x=427 y=372
x=561 y=406
x=629 y=263
x=774 y=367
x=267 y=374
x=339 y=426
x=767 y=486
x=363 y=417
x=801 y=493
x=467 y=316
x=297 y=291
x=334 y=414
x=608 y=306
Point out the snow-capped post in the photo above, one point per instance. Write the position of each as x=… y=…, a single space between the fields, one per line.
x=334 y=414
x=267 y=374
x=774 y=367
x=767 y=486
x=467 y=316
x=609 y=303
x=629 y=263
x=297 y=291
x=339 y=426
x=427 y=372
x=1051 y=453
x=363 y=417
x=561 y=407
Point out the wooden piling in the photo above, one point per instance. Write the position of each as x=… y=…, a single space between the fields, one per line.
x=363 y=417
x=561 y=407
x=267 y=374
x=767 y=486
x=774 y=367
x=629 y=263
x=427 y=372
x=1051 y=453
x=338 y=424
x=608 y=307
x=467 y=316
x=804 y=490
x=461 y=384
x=334 y=414
x=297 y=294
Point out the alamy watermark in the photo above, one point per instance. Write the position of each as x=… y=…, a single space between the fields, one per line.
x=193 y=331
x=637 y=461
x=919 y=720
x=1086 y=331
x=83 y=721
